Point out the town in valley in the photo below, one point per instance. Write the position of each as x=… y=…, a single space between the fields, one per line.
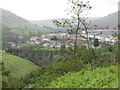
x=55 y=40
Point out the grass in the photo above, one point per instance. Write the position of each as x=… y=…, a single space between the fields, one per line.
x=98 y=78
x=18 y=67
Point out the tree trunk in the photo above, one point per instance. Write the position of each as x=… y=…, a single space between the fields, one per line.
x=75 y=43
x=87 y=35
x=87 y=40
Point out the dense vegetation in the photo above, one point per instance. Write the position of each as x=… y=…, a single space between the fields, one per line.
x=94 y=59
x=98 y=78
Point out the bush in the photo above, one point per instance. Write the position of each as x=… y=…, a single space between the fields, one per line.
x=99 y=78
x=96 y=42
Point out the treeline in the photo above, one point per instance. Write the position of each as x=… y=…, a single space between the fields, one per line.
x=36 y=54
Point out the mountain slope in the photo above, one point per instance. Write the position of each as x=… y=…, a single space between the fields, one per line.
x=9 y=17
x=110 y=20
x=18 y=23
x=18 y=67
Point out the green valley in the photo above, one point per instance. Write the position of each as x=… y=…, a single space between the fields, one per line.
x=50 y=52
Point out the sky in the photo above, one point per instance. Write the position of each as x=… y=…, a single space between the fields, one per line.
x=50 y=9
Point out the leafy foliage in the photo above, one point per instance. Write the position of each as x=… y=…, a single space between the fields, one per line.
x=99 y=78
x=5 y=76
x=93 y=59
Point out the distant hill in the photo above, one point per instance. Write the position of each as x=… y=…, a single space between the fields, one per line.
x=18 y=23
x=110 y=20
x=19 y=67
x=10 y=18
x=43 y=23
x=49 y=23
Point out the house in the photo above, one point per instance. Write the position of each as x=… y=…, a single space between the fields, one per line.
x=34 y=38
x=45 y=40
x=46 y=44
x=13 y=44
x=57 y=35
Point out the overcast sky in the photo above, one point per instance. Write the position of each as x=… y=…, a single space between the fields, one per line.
x=49 y=9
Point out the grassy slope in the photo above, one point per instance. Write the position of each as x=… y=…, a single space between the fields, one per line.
x=18 y=66
x=98 y=78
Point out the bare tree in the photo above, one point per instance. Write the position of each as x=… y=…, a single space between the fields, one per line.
x=86 y=25
x=76 y=11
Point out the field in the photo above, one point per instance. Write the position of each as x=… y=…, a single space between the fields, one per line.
x=18 y=67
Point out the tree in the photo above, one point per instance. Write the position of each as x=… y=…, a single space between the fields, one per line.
x=5 y=76
x=96 y=42
x=5 y=46
x=86 y=26
x=54 y=38
x=95 y=26
x=76 y=12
